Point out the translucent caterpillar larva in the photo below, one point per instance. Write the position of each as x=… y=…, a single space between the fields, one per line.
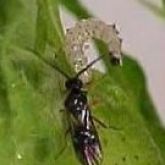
x=78 y=37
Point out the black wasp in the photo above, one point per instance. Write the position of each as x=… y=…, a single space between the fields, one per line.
x=76 y=102
x=83 y=132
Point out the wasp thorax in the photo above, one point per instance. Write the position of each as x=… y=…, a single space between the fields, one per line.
x=74 y=83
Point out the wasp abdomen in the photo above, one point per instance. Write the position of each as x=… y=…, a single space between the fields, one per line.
x=87 y=143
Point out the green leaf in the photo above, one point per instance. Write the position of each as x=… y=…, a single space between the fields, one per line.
x=32 y=129
x=132 y=80
x=76 y=8
x=158 y=11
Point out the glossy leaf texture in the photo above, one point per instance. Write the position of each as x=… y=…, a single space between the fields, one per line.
x=32 y=127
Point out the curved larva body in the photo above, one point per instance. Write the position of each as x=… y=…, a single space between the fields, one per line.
x=78 y=37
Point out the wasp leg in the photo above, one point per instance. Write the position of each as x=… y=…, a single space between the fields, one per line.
x=65 y=145
x=67 y=130
x=115 y=128
x=99 y=122
x=62 y=90
x=62 y=110
x=105 y=126
x=69 y=127
x=61 y=152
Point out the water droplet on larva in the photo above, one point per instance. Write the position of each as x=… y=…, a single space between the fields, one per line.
x=75 y=48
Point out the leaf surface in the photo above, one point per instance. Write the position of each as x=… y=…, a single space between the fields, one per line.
x=32 y=128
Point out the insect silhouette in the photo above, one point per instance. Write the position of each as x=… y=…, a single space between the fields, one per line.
x=82 y=129
x=83 y=132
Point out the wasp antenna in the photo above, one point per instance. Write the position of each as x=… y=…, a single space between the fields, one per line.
x=56 y=68
x=50 y=64
x=59 y=70
x=89 y=65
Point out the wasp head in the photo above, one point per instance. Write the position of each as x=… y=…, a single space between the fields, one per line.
x=74 y=84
